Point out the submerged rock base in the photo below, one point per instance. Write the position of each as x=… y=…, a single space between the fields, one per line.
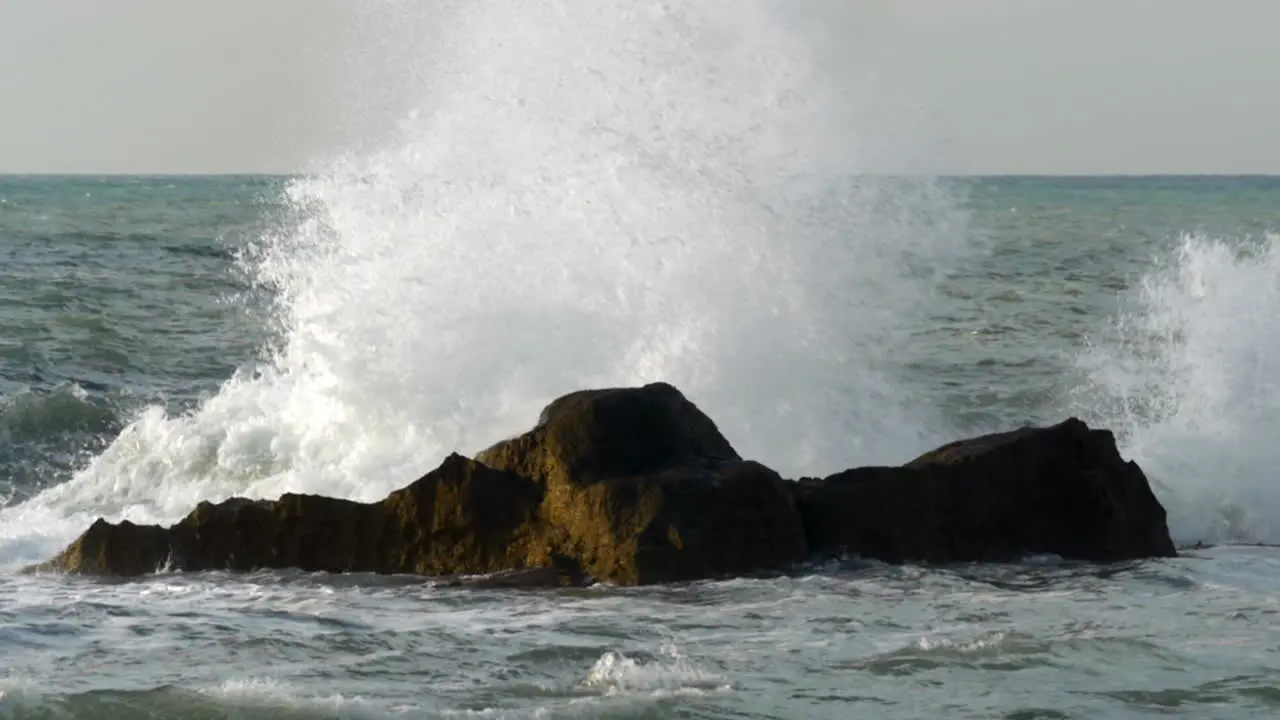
x=637 y=486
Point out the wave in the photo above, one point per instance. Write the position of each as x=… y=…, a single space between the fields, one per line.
x=593 y=192
x=604 y=192
x=28 y=415
x=1188 y=374
x=235 y=698
x=46 y=435
x=614 y=681
x=671 y=673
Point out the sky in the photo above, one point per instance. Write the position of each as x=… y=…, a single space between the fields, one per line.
x=1098 y=86
x=990 y=86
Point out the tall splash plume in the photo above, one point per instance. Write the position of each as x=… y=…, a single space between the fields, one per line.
x=594 y=192
x=1190 y=377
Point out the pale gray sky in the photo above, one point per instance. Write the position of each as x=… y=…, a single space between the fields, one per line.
x=1098 y=86
x=1018 y=86
x=173 y=85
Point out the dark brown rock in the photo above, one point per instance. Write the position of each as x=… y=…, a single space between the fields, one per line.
x=629 y=485
x=592 y=435
x=637 y=486
x=1062 y=490
x=122 y=549
x=462 y=517
x=642 y=488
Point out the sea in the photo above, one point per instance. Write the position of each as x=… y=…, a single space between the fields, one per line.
x=608 y=194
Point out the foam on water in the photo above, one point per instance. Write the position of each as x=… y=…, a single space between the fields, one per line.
x=1189 y=376
x=270 y=695
x=592 y=192
x=616 y=674
x=236 y=698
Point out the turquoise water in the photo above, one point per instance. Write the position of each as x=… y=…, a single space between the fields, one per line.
x=116 y=293
x=167 y=340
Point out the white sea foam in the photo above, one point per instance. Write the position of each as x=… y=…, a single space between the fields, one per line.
x=616 y=674
x=1189 y=375
x=19 y=696
x=591 y=192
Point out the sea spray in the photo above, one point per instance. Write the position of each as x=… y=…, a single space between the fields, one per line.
x=590 y=193
x=1188 y=375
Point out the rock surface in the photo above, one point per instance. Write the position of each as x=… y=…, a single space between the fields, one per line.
x=1062 y=490
x=643 y=488
x=637 y=486
x=461 y=518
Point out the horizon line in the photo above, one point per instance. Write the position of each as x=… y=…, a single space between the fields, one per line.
x=1016 y=175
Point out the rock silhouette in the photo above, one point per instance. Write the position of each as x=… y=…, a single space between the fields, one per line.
x=641 y=488
x=1062 y=490
x=638 y=486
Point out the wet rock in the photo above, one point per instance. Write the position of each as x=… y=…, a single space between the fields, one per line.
x=1062 y=490
x=642 y=488
x=107 y=549
x=462 y=517
x=627 y=485
x=637 y=486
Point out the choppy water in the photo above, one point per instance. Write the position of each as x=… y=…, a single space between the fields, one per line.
x=615 y=193
x=1191 y=638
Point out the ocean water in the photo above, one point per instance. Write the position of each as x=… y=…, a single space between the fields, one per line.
x=598 y=193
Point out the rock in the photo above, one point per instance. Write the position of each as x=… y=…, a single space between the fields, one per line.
x=462 y=518
x=122 y=549
x=629 y=485
x=637 y=486
x=1062 y=490
x=642 y=488
x=592 y=435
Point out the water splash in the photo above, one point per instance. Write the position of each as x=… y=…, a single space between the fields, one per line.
x=1190 y=378
x=593 y=192
x=615 y=673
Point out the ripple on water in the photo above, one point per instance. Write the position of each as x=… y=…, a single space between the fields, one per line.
x=995 y=641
